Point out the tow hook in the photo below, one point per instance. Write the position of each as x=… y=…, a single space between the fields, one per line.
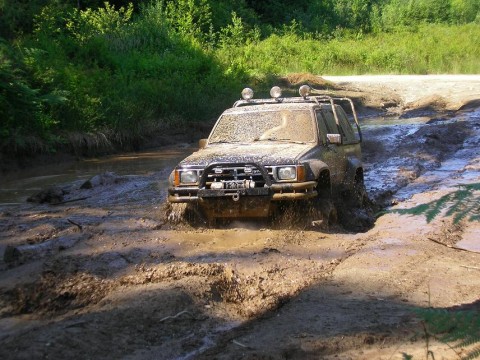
x=236 y=196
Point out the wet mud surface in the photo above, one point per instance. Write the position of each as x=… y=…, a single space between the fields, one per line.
x=101 y=274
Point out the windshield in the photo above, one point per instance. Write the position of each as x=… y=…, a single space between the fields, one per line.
x=277 y=125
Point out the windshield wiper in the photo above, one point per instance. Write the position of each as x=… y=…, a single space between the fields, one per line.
x=280 y=140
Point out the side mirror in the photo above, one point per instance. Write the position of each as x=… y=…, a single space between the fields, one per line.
x=202 y=143
x=334 y=139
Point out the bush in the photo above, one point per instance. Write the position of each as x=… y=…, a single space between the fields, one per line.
x=123 y=71
x=124 y=74
x=24 y=110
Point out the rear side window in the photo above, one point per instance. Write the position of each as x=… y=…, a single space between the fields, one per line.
x=332 y=125
x=330 y=122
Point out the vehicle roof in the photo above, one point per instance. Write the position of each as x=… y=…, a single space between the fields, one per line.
x=271 y=106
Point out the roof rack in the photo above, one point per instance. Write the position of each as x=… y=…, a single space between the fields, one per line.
x=331 y=100
x=306 y=99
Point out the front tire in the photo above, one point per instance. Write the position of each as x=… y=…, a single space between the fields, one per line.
x=183 y=213
x=323 y=205
x=355 y=209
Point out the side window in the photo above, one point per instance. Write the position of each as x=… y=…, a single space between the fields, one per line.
x=330 y=121
x=332 y=125
x=322 y=127
x=350 y=134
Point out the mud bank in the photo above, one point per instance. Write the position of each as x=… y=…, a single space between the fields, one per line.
x=101 y=275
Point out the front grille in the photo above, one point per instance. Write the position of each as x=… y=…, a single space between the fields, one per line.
x=237 y=174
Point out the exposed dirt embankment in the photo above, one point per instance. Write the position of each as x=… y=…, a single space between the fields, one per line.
x=101 y=275
x=404 y=94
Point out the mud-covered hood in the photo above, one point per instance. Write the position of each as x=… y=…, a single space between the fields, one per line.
x=262 y=153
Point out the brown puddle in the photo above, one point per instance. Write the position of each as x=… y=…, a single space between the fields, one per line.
x=16 y=187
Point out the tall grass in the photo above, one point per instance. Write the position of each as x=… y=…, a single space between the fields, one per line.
x=426 y=49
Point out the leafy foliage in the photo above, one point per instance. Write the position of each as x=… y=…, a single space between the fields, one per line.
x=460 y=329
x=461 y=204
x=16 y=16
x=123 y=69
x=85 y=24
x=24 y=110
x=408 y=13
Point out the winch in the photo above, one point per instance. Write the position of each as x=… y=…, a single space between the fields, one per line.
x=232 y=184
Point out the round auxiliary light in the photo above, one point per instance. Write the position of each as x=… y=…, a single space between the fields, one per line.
x=275 y=92
x=247 y=94
x=304 y=90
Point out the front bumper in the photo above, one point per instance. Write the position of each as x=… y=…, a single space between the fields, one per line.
x=238 y=199
x=274 y=192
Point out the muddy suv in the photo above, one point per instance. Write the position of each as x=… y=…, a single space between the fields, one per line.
x=265 y=152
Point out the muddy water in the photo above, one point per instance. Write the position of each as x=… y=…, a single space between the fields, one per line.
x=384 y=135
x=17 y=187
x=394 y=139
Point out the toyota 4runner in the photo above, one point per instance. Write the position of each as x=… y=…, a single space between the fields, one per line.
x=264 y=152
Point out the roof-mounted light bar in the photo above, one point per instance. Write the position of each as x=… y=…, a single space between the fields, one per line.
x=275 y=92
x=304 y=91
x=247 y=94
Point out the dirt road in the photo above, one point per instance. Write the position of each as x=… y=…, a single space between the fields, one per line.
x=450 y=92
x=105 y=277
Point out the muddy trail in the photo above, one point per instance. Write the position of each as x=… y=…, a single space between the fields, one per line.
x=97 y=272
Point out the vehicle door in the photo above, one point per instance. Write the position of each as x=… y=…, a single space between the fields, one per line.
x=333 y=155
x=350 y=145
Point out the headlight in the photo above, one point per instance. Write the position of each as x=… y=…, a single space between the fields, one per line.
x=188 y=177
x=287 y=173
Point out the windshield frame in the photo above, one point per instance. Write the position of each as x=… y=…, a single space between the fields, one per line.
x=257 y=140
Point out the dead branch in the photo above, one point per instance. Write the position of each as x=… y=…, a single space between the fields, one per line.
x=71 y=200
x=175 y=316
x=240 y=344
x=76 y=224
x=470 y=267
x=451 y=246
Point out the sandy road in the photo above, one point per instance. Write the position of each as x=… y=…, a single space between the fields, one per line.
x=455 y=89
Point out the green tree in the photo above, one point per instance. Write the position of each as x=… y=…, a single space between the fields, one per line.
x=464 y=11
